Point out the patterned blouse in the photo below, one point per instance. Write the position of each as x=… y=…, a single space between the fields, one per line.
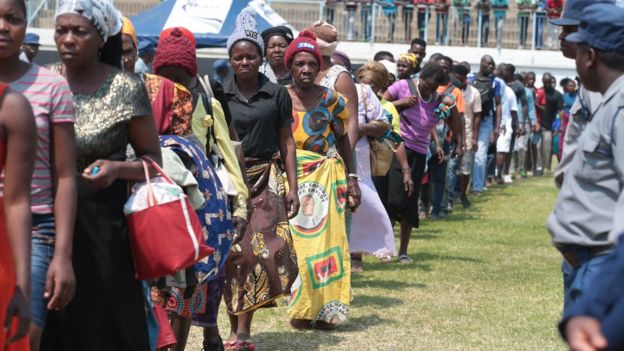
x=316 y=130
x=103 y=118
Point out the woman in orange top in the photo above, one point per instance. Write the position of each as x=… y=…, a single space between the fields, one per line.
x=18 y=134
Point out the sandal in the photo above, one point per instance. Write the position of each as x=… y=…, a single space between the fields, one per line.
x=356 y=265
x=405 y=259
x=245 y=345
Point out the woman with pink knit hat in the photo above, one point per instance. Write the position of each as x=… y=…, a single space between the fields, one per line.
x=327 y=187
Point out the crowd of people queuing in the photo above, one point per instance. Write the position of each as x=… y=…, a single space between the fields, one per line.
x=283 y=166
x=449 y=14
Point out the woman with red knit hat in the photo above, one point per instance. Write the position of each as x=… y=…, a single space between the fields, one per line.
x=176 y=59
x=262 y=266
x=321 y=294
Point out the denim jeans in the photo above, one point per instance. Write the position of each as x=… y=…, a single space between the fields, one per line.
x=367 y=19
x=408 y=13
x=391 y=26
x=451 y=181
x=539 y=30
x=441 y=27
x=437 y=179
x=423 y=22
x=478 y=170
x=499 y=22
x=465 y=28
x=42 y=251
x=350 y=22
x=524 y=27
x=485 y=29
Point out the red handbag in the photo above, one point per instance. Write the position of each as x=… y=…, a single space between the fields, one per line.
x=165 y=237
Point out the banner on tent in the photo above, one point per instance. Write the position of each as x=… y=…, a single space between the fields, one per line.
x=265 y=11
x=200 y=16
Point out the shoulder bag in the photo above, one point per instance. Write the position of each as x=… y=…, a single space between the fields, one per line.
x=165 y=233
x=381 y=149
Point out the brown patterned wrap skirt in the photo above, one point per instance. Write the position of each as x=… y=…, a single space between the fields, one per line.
x=262 y=266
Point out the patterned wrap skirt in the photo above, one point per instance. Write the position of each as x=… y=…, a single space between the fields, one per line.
x=262 y=266
x=202 y=301
x=322 y=291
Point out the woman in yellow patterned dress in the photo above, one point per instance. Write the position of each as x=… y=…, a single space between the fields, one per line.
x=320 y=296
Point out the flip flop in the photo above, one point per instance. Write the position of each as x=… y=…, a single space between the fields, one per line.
x=405 y=259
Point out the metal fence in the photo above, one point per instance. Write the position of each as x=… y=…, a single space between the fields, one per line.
x=357 y=21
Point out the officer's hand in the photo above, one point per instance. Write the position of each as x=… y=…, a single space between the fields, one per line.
x=583 y=334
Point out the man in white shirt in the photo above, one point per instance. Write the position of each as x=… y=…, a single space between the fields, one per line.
x=504 y=143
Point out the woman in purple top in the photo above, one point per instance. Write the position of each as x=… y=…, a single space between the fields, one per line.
x=417 y=105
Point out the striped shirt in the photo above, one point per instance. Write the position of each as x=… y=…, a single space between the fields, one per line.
x=52 y=102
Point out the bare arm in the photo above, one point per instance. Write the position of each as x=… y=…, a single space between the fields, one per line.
x=514 y=118
x=60 y=280
x=498 y=113
x=345 y=86
x=353 y=189
x=289 y=157
x=374 y=129
x=144 y=140
x=19 y=127
x=476 y=124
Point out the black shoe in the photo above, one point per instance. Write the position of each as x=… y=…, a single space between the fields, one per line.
x=465 y=202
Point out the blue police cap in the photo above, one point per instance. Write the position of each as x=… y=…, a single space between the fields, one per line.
x=32 y=39
x=573 y=11
x=219 y=64
x=602 y=28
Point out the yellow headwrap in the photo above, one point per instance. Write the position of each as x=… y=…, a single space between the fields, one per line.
x=128 y=29
x=411 y=58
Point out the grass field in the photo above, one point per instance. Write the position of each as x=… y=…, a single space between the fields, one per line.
x=485 y=278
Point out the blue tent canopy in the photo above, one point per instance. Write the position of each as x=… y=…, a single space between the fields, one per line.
x=211 y=21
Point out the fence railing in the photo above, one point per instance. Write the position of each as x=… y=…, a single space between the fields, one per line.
x=357 y=21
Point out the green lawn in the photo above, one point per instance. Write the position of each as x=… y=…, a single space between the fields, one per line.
x=485 y=278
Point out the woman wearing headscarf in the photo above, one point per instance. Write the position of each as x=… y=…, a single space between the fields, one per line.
x=336 y=77
x=262 y=266
x=129 y=45
x=53 y=187
x=406 y=66
x=18 y=146
x=276 y=40
x=112 y=111
x=327 y=185
x=176 y=60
